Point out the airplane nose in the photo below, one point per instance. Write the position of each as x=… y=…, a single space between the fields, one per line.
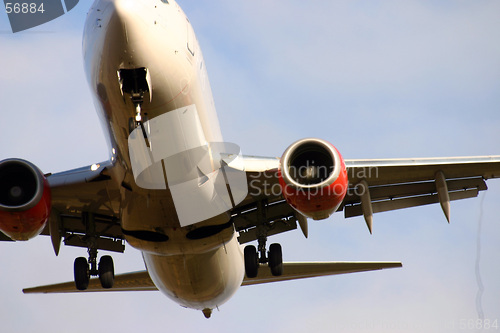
x=130 y=16
x=127 y=10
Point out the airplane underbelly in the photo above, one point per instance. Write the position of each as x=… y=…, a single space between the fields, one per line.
x=201 y=281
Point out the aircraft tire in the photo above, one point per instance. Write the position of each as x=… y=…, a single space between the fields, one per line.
x=251 y=261
x=81 y=273
x=132 y=124
x=106 y=272
x=276 y=259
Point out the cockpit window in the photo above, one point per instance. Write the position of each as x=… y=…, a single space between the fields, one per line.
x=165 y=1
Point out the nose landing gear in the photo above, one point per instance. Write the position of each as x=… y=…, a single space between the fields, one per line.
x=135 y=82
x=133 y=123
x=139 y=119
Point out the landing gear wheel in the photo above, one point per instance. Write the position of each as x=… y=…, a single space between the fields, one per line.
x=275 y=259
x=106 y=272
x=251 y=261
x=81 y=272
x=132 y=124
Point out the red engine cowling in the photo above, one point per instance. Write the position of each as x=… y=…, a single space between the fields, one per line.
x=25 y=199
x=313 y=178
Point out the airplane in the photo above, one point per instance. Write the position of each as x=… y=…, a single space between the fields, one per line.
x=100 y=206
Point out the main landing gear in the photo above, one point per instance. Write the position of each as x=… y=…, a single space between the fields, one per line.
x=274 y=259
x=255 y=257
x=83 y=269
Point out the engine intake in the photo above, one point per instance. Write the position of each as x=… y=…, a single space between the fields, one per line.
x=313 y=177
x=25 y=199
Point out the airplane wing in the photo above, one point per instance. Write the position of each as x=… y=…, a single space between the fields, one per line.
x=85 y=203
x=81 y=196
x=302 y=270
x=401 y=183
x=140 y=281
x=88 y=193
x=135 y=281
x=391 y=184
x=374 y=186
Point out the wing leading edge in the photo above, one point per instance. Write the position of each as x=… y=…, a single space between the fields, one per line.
x=374 y=186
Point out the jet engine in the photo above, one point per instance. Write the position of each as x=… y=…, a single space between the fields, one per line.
x=313 y=178
x=25 y=199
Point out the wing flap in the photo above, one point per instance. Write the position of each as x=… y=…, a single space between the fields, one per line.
x=407 y=202
x=403 y=183
x=386 y=192
x=302 y=270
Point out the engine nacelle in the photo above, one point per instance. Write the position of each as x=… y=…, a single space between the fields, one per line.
x=313 y=178
x=25 y=199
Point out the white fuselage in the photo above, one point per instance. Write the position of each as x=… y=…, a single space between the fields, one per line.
x=197 y=272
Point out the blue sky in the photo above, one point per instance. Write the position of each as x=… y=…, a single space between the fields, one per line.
x=377 y=79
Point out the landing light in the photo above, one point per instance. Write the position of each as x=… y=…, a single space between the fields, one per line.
x=94 y=167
